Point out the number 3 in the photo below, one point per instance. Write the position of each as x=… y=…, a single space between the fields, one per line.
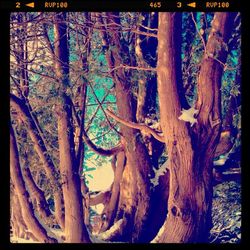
x=179 y=4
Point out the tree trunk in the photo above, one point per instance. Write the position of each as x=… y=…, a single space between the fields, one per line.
x=26 y=207
x=75 y=230
x=135 y=196
x=38 y=199
x=190 y=153
x=110 y=209
x=42 y=151
x=19 y=227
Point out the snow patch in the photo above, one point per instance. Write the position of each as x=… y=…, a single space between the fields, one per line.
x=48 y=230
x=187 y=115
x=105 y=235
x=15 y=239
x=158 y=236
x=158 y=172
x=221 y=161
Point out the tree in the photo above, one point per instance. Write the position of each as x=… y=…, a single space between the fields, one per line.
x=190 y=151
x=23 y=196
x=75 y=230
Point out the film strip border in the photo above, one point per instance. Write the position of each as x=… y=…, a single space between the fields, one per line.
x=121 y=5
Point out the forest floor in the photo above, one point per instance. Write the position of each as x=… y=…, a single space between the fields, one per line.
x=226 y=215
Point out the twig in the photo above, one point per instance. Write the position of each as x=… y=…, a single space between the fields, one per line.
x=110 y=124
x=131 y=67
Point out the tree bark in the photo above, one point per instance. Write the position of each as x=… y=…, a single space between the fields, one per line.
x=23 y=196
x=111 y=207
x=38 y=199
x=135 y=191
x=75 y=229
x=190 y=153
x=45 y=157
x=19 y=227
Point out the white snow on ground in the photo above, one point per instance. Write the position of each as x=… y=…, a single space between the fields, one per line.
x=105 y=235
x=50 y=232
x=157 y=237
x=158 y=172
x=14 y=239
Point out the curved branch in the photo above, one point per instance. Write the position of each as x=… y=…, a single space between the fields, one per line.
x=23 y=195
x=98 y=150
x=100 y=105
x=86 y=139
x=142 y=127
x=114 y=231
x=94 y=114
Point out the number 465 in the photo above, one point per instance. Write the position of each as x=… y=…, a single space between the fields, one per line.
x=155 y=5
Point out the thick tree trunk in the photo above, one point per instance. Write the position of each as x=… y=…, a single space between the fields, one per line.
x=190 y=157
x=135 y=192
x=75 y=229
x=23 y=196
x=179 y=147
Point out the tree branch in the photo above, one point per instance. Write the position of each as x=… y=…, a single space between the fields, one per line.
x=111 y=126
x=101 y=197
x=96 y=149
x=131 y=67
x=142 y=127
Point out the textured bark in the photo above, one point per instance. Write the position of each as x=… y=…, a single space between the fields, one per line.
x=38 y=199
x=134 y=200
x=23 y=196
x=19 y=227
x=75 y=229
x=40 y=148
x=159 y=208
x=109 y=211
x=190 y=157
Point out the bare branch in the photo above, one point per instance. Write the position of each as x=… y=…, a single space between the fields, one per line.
x=142 y=127
x=96 y=149
x=131 y=67
x=101 y=151
x=110 y=124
